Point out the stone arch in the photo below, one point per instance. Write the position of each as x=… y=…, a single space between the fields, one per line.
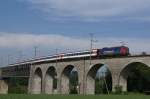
x=65 y=79
x=127 y=72
x=50 y=81
x=91 y=75
x=37 y=81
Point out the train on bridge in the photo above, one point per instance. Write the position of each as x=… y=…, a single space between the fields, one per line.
x=107 y=51
x=97 y=53
x=104 y=52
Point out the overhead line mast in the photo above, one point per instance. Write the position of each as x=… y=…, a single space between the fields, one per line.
x=91 y=45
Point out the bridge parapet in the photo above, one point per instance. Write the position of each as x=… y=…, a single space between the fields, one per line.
x=15 y=71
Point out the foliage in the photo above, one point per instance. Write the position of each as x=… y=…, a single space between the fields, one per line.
x=103 y=82
x=118 y=89
x=74 y=82
x=139 y=78
x=73 y=90
x=143 y=53
x=17 y=85
x=55 y=83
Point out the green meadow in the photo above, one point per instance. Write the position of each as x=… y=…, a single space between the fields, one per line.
x=25 y=96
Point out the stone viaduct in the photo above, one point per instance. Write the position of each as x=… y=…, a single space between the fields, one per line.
x=42 y=74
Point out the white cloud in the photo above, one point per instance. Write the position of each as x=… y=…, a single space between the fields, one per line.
x=12 y=40
x=24 y=41
x=93 y=9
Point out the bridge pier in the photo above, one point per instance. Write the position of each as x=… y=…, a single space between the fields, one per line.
x=118 y=80
x=48 y=84
x=123 y=83
x=50 y=81
x=36 y=86
x=3 y=87
x=65 y=84
x=81 y=86
x=114 y=82
x=90 y=85
x=36 y=82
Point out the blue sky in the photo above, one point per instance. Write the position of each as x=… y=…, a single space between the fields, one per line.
x=66 y=24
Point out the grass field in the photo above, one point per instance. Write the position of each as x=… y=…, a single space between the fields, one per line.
x=22 y=96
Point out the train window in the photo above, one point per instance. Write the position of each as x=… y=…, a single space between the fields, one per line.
x=86 y=52
x=80 y=53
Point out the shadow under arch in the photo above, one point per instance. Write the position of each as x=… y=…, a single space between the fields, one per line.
x=134 y=77
x=37 y=82
x=50 y=81
x=66 y=79
x=91 y=79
